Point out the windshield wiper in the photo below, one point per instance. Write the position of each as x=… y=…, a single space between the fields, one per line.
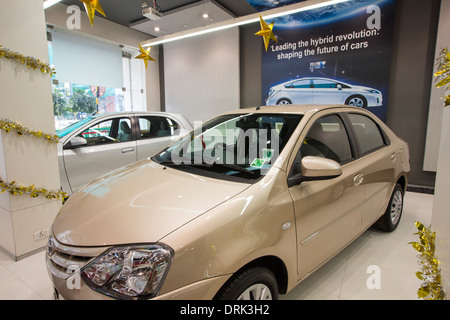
x=233 y=166
x=207 y=165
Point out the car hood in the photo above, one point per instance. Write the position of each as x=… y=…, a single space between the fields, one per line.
x=140 y=203
x=361 y=88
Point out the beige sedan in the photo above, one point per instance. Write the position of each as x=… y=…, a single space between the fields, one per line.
x=244 y=207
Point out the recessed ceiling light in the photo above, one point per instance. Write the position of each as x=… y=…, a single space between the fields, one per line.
x=157 y=29
x=205 y=15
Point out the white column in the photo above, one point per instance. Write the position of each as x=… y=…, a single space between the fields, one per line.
x=441 y=206
x=26 y=98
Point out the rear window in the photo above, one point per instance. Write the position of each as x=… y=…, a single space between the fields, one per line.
x=367 y=132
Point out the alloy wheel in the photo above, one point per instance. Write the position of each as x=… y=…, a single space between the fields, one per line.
x=396 y=207
x=258 y=291
x=358 y=102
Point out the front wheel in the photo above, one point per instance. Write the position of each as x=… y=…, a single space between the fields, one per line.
x=256 y=283
x=391 y=218
x=284 y=101
x=358 y=101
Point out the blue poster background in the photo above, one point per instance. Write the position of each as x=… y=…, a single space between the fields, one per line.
x=344 y=42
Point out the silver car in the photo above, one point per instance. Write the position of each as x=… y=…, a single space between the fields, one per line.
x=323 y=91
x=101 y=143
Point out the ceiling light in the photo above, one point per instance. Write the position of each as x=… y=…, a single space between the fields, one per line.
x=251 y=18
x=157 y=29
x=205 y=15
x=49 y=3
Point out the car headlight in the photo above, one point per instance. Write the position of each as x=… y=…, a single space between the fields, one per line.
x=129 y=272
x=373 y=91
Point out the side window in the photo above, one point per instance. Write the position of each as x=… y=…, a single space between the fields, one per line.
x=301 y=84
x=367 y=133
x=155 y=127
x=327 y=138
x=324 y=84
x=109 y=131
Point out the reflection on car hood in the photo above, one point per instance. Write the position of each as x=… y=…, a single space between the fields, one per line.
x=139 y=203
x=361 y=88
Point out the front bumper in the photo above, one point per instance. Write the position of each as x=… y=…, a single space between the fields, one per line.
x=64 y=263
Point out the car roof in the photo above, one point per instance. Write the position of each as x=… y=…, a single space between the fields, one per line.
x=294 y=109
x=119 y=113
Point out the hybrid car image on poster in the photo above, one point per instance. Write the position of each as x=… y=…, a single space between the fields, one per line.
x=324 y=91
x=345 y=48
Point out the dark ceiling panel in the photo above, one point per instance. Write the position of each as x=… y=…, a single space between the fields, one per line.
x=125 y=12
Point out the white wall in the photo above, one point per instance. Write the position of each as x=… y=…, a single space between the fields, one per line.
x=202 y=75
x=26 y=98
x=441 y=206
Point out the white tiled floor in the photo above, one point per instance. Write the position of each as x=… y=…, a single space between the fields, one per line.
x=343 y=277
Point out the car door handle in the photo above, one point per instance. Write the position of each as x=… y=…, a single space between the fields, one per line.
x=358 y=179
x=127 y=150
x=393 y=156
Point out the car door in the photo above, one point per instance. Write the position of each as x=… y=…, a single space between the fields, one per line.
x=327 y=212
x=300 y=92
x=109 y=145
x=327 y=92
x=154 y=134
x=379 y=159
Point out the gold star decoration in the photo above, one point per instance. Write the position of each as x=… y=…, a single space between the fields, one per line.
x=266 y=32
x=92 y=6
x=145 y=55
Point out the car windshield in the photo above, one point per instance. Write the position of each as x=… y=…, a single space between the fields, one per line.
x=65 y=131
x=242 y=146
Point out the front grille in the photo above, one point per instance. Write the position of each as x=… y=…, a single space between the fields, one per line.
x=64 y=260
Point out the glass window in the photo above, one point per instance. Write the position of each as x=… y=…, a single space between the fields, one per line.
x=124 y=129
x=108 y=131
x=321 y=84
x=301 y=84
x=327 y=138
x=233 y=146
x=367 y=133
x=155 y=127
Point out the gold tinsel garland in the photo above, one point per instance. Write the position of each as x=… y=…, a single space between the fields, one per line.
x=7 y=125
x=443 y=73
x=30 y=62
x=430 y=274
x=33 y=191
x=12 y=187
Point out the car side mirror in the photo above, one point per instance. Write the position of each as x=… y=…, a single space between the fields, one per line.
x=339 y=87
x=315 y=168
x=75 y=142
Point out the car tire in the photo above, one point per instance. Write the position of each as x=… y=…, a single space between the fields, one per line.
x=358 y=101
x=255 y=283
x=391 y=218
x=284 y=101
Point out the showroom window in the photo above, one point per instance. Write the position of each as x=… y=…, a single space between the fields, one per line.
x=115 y=82
x=367 y=133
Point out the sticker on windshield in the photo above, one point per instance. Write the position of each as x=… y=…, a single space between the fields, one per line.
x=258 y=163
x=267 y=153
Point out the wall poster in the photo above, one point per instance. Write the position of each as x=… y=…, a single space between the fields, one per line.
x=338 y=54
